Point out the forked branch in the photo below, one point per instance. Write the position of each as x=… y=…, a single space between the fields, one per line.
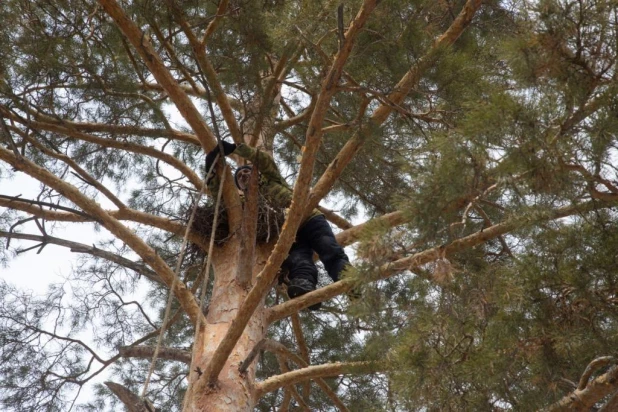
x=296 y=211
x=418 y=259
x=153 y=61
x=148 y=255
x=588 y=393
x=402 y=89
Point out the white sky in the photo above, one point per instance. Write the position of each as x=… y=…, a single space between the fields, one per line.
x=32 y=271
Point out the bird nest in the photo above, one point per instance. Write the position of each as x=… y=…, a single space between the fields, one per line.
x=270 y=222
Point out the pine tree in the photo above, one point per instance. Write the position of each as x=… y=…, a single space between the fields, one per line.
x=476 y=141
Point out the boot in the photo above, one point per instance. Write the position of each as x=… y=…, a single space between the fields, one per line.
x=299 y=287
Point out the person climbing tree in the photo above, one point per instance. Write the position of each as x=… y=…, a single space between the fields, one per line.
x=314 y=233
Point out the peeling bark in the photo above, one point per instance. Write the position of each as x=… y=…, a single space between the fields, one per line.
x=233 y=389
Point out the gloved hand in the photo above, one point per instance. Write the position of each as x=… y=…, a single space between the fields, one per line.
x=228 y=148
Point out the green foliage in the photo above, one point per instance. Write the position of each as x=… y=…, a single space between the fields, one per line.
x=517 y=118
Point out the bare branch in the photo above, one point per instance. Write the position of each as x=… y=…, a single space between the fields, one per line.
x=146 y=352
x=186 y=299
x=90 y=250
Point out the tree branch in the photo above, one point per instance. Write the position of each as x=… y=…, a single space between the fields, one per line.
x=212 y=26
x=90 y=250
x=185 y=297
x=379 y=116
x=211 y=75
x=278 y=348
x=82 y=174
x=146 y=352
x=119 y=144
x=33 y=207
x=283 y=366
x=352 y=234
x=302 y=348
x=334 y=218
x=418 y=259
x=199 y=92
x=312 y=372
x=583 y=399
x=103 y=128
x=593 y=367
x=156 y=66
x=131 y=401
x=296 y=211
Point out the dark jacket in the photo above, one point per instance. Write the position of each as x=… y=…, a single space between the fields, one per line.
x=273 y=187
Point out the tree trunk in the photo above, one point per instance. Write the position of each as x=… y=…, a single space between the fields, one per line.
x=233 y=391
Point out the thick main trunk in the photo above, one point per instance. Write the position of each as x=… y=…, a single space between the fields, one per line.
x=233 y=392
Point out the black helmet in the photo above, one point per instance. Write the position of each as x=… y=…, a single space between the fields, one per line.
x=238 y=171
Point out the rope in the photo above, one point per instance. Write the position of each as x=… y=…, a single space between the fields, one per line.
x=177 y=272
x=206 y=271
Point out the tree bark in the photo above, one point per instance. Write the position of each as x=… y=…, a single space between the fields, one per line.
x=233 y=391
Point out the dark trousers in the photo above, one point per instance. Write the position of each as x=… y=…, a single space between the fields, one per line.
x=315 y=235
